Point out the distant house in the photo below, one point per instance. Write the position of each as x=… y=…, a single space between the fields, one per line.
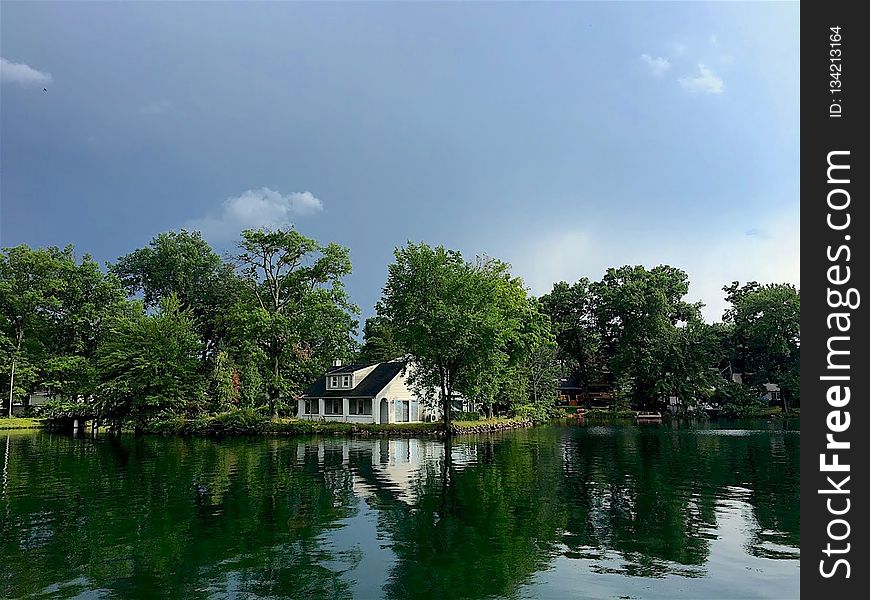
x=571 y=393
x=374 y=393
x=772 y=392
x=34 y=400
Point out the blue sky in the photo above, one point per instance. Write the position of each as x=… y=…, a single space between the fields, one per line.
x=563 y=138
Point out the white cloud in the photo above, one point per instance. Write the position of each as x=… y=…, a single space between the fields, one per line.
x=706 y=82
x=256 y=208
x=768 y=253
x=22 y=74
x=658 y=66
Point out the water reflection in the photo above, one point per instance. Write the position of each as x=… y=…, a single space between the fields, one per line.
x=550 y=512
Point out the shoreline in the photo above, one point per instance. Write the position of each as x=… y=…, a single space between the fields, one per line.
x=215 y=426
x=287 y=427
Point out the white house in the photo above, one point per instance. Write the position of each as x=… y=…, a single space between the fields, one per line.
x=377 y=393
x=772 y=392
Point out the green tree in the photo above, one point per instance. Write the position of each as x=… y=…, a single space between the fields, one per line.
x=637 y=312
x=766 y=322
x=149 y=363
x=570 y=308
x=223 y=384
x=464 y=325
x=301 y=316
x=379 y=341
x=184 y=264
x=88 y=300
x=30 y=283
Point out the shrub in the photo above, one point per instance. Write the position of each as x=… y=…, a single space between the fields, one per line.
x=459 y=415
x=738 y=400
x=532 y=412
x=167 y=423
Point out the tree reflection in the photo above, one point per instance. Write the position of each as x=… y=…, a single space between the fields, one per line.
x=184 y=518
x=475 y=518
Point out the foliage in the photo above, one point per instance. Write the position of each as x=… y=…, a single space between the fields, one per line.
x=459 y=415
x=223 y=385
x=379 y=342
x=766 y=322
x=149 y=363
x=30 y=282
x=578 y=339
x=465 y=325
x=214 y=337
x=738 y=400
x=59 y=408
x=53 y=312
x=183 y=264
x=535 y=412
x=638 y=312
x=301 y=318
x=167 y=422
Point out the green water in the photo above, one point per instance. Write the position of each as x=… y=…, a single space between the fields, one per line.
x=553 y=512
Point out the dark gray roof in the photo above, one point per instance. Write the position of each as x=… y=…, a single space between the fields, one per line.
x=373 y=383
x=347 y=368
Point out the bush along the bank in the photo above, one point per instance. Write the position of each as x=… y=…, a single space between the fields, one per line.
x=251 y=422
x=490 y=425
x=466 y=416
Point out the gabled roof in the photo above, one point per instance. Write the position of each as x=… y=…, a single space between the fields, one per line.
x=347 y=368
x=373 y=383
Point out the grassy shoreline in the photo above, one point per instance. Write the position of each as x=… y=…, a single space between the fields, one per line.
x=299 y=427
x=20 y=423
x=234 y=424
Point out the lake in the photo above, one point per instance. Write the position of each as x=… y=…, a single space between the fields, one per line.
x=558 y=511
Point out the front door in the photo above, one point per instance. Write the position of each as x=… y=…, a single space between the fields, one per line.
x=385 y=411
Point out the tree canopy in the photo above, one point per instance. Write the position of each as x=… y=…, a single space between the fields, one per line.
x=175 y=328
x=464 y=324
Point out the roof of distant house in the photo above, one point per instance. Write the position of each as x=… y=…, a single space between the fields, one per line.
x=373 y=383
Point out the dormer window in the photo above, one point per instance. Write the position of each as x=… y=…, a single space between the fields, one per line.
x=339 y=382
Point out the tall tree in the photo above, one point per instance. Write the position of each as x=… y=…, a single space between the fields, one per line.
x=637 y=313
x=149 y=363
x=766 y=321
x=88 y=300
x=30 y=283
x=184 y=264
x=571 y=311
x=461 y=323
x=302 y=317
x=379 y=341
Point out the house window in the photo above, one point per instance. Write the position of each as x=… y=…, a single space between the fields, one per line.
x=345 y=381
x=334 y=406
x=403 y=411
x=333 y=382
x=312 y=406
x=360 y=406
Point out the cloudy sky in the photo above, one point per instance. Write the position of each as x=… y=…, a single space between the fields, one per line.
x=563 y=138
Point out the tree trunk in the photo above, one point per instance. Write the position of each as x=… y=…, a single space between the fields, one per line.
x=12 y=372
x=11 y=385
x=445 y=405
x=276 y=372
